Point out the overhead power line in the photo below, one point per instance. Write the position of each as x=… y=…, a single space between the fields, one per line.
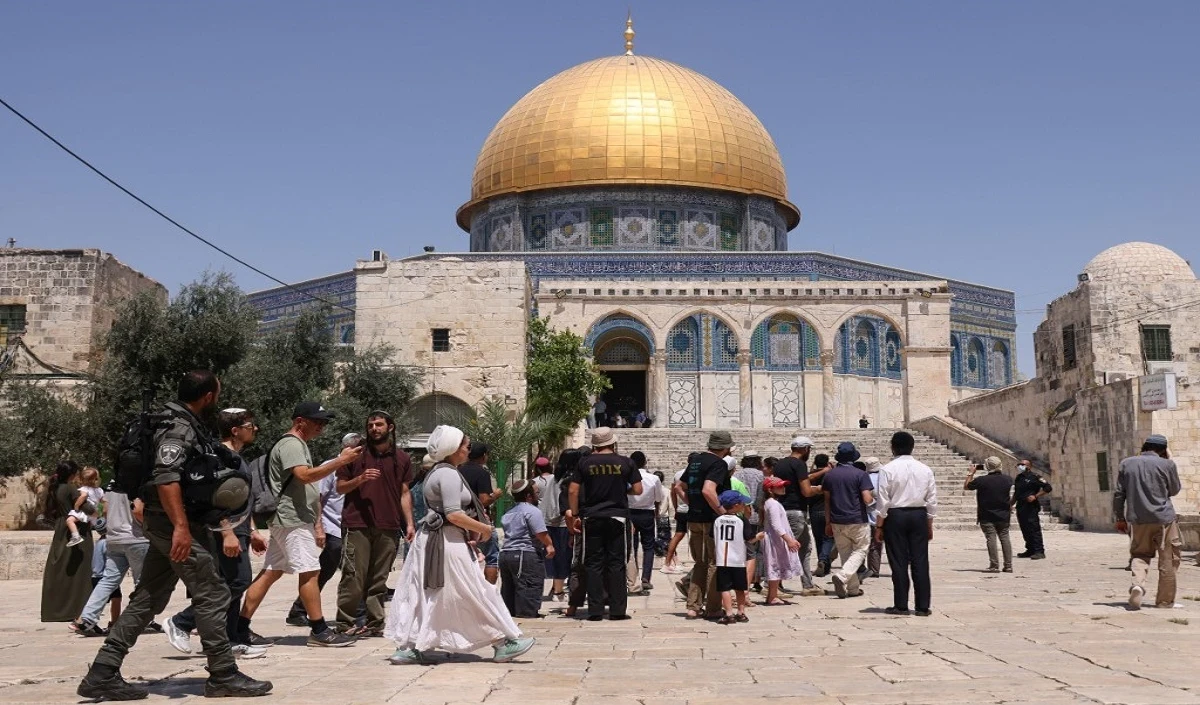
x=168 y=218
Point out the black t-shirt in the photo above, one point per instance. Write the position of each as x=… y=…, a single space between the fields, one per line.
x=701 y=468
x=478 y=478
x=816 y=504
x=793 y=470
x=604 y=480
x=992 y=497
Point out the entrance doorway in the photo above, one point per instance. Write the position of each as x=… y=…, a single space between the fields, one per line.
x=627 y=396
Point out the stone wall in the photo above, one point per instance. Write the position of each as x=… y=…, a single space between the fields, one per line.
x=70 y=298
x=20 y=500
x=484 y=304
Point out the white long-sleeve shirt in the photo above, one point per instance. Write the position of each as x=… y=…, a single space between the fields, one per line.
x=906 y=482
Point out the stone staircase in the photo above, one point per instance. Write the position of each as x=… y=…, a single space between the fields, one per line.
x=667 y=449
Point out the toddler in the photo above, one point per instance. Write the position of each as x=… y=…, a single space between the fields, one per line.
x=89 y=493
x=781 y=550
x=730 y=536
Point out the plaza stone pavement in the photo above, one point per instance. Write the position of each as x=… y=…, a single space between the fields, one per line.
x=1054 y=632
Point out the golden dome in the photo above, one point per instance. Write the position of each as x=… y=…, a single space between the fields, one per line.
x=626 y=120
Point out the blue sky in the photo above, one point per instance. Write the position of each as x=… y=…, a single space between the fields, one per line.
x=1002 y=143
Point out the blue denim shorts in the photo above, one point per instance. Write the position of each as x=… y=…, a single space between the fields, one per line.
x=491 y=552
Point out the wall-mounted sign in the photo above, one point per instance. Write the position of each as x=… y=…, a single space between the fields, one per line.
x=1158 y=392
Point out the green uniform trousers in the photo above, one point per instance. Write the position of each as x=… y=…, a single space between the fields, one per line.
x=199 y=573
x=367 y=557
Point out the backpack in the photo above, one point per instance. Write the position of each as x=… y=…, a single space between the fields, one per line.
x=264 y=501
x=133 y=467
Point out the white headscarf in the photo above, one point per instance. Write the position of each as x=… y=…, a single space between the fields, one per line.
x=443 y=442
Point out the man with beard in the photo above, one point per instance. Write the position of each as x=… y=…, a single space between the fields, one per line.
x=376 y=505
x=181 y=548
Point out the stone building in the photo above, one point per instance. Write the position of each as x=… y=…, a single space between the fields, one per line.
x=643 y=206
x=1106 y=354
x=56 y=305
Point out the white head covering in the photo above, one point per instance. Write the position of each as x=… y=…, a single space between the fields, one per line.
x=443 y=442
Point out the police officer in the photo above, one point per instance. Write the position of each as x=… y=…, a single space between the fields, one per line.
x=1028 y=488
x=181 y=548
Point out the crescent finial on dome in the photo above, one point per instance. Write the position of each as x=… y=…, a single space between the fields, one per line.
x=629 y=34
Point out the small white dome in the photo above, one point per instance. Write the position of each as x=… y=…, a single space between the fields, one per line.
x=1138 y=261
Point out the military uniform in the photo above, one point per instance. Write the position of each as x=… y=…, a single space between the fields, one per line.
x=174 y=445
x=1026 y=485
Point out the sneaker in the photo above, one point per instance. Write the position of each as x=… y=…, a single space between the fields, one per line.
x=813 y=591
x=296 y=620
x=247 y=651
x=1169 y=606
x=404 y=657
x=153 y=628
x=180 y=640
x=872 y=574
x=839 y=585
x=992 y=569
x=511 y=649
x=646 y=586
x=1135 y=597
x=75 y=541
x=1024 y=554
x=1037 y=556
x=896 y=611
x=822 y=570
x=113 y=687
x=256 y=639
x=95 y=630
x=330 y=638
x=855 y=594
x=1008 y=569
x=234 y=684
x=87 y=629
x=923 y=613
x=756 y=587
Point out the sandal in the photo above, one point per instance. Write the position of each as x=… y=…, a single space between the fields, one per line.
x=776 y=603
x=726 y=620
x=741 y=618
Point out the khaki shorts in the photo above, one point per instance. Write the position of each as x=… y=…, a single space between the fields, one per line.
x=293 y=549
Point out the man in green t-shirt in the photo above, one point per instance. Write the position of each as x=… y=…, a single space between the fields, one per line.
x=297 y=535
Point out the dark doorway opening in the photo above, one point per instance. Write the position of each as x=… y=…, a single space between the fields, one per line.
x=627 y=396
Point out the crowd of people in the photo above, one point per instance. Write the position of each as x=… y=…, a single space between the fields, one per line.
x=586 y=521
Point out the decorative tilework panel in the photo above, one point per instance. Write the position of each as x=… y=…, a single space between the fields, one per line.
x=729 y=232
x=568 y=229
x=1000 y=369
x=861 y=348
x=728 y=400
x=864 y=349
x=619 y=321
x=975 y=365
x=683 y=345
x=501 y=235
x=701 y=230
x=762 y=236
x=786 y=401
x=668 y=228
x=706 y=341
x=683 y=400
x=725 y=346
x=602 y=227
x=892 y=364
x=635 y=228
x=956 y=376
x=538 y=232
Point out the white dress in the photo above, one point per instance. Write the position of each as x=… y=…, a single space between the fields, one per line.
x=467 y=612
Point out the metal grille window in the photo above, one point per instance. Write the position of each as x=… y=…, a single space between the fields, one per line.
x=1102 y=470
x=12 y=322
x=1156 y=343
x=1068 y=344
x=683 y=346
x=441 y=340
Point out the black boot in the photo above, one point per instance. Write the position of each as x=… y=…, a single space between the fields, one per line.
x=234 y=684
x=106 y=683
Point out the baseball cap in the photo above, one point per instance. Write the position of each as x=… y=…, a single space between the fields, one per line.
x=1157 y=440
x=728 y=498
x=312 y=410
x=802 y=442
x=772 y=482
x=478 y=450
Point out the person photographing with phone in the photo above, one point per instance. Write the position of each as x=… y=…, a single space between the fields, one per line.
x=994 y=509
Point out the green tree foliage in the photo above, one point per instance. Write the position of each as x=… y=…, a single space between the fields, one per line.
x=561 y=378
x=208 y=325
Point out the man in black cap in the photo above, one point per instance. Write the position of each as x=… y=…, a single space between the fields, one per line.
x=847 y=491
x=1028 y=488
x=479 y=478
x=1143 y=508
x=297 y=535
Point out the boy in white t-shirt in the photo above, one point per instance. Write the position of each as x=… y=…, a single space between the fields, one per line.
x=730 y=534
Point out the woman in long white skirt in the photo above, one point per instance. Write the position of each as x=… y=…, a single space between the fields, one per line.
x=442 y=600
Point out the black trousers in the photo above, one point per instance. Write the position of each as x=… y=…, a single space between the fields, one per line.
x=1028 y=516
x=522 y=575
x=642 y=528
x=906 y=537
x=604 y=559
x=198 y=572
x=824 y=544
x=237 y=575
x=331 y=560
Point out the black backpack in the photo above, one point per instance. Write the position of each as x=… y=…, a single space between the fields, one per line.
x=133 y=467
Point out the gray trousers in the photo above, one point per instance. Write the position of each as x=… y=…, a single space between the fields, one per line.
x=798 y=521
x=198 y=572
x=993 y=531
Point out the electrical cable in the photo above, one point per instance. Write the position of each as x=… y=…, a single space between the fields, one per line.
x=168 y=218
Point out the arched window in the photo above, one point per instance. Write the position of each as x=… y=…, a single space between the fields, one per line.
x=956 y=363
x=622 y=351
x=785 y=342
x=975 y=366
x=683 y=345
x=725 y=346
x=618 y=325
x=864 y=349
x=1000 y=368
x=433 y=409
